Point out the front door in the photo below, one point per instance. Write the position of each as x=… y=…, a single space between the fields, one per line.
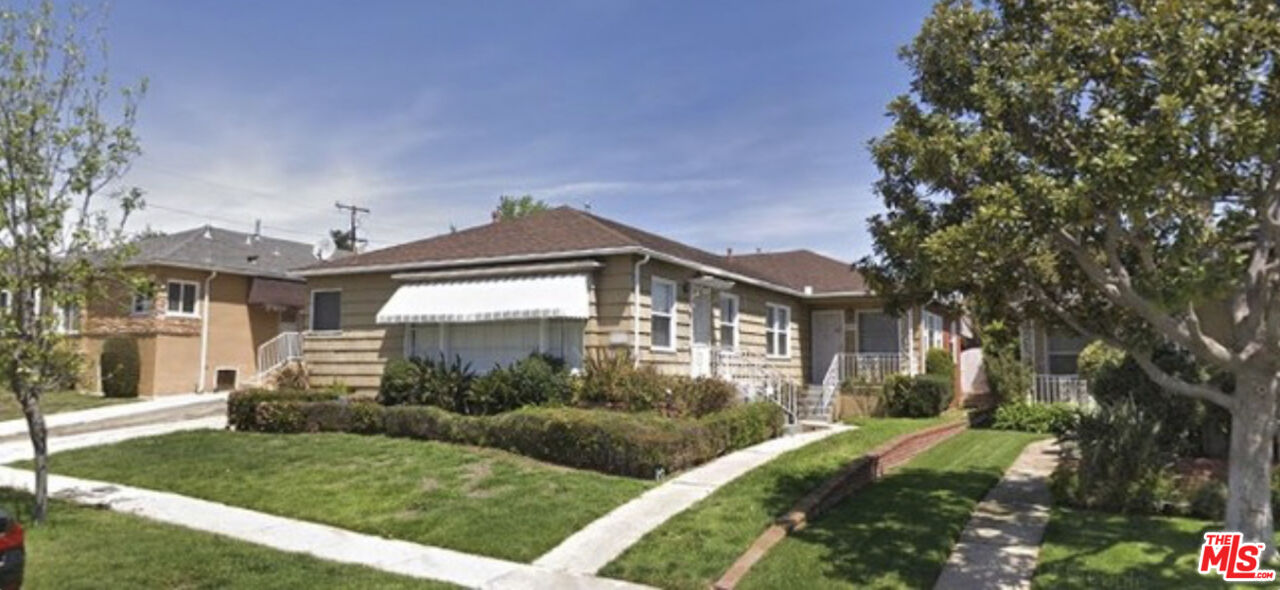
x=828 y=341
x=700 y=356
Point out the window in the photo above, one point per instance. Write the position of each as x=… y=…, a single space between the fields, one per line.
x=729 y=321
x=326 y=311
x=68 y=319
x=877 y=333
x=182 y=298
x=486 y=345
x=662 y=314
x=1064 y=352
x=777 y=330
x=142 y=303
x=933 y=326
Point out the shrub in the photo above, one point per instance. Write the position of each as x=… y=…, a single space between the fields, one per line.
x=533 y=381
x=1008 y=378
x=242 y=406
x=939 y=362
x=439 y=382
x=121 y=367
x=633 y=444
x=293 y=376
x=1183 y=420
x=1096 y=357
x=916 y=396
x=698 y=397
x=1057 y=419
x=1122 y=466
x=402 y=382
x=745 y=425
x=611 y=380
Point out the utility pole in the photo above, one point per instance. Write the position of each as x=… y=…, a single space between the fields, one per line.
x=354 y=210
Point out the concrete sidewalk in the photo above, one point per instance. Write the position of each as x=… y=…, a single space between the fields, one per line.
x=602 y=541
x=322 y=541
x=20 y=450
x=172 y=408
x=1001 y=545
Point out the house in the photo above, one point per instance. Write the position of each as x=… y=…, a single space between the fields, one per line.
x=1053 y=354
x=570 y=283
x=217 y=297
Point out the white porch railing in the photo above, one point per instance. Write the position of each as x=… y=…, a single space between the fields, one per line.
x=757 y=380
x=859 y=368
x=278 y=352
x=1070 y=389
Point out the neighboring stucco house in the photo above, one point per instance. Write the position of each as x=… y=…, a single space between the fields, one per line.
x=570 y=283
x=217 y=297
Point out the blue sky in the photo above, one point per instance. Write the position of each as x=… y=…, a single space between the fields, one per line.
x=722 y=124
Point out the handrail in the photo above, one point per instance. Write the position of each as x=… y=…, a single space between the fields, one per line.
x=1071 y=389
x=277 y=352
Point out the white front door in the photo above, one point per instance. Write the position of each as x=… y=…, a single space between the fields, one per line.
x=828 y=341
x=700 y=356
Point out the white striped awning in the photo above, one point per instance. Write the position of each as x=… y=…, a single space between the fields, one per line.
x=514 y=298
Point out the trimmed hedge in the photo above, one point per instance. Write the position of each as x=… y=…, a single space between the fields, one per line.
x=919 y=396
x=242 y=406
x=640 y=445
x=1056 y=419
x=121 y=367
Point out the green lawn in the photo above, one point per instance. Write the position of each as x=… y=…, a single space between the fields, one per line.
x=58 y=401
x=898 y=532
x=1089 y=550
x=693 y=549
x=475 y=500
x=89 y=548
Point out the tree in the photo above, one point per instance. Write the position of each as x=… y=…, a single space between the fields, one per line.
x=516 y=207
x=1111 y=166
x=342 y=240
x=61 y=210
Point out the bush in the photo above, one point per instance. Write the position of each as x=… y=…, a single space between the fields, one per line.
x=439 y=382
x=613 y=381
x=1008 y=378
x=745 y=425
x=1122 y=466
x=918 y=396
x=533 y=381
x=1184 y=421
x=121 y=367
x=637 y=445
x=1097 y=357
x=242 y=406
x=695 y=398
x=939 y=362
x=1057 y=419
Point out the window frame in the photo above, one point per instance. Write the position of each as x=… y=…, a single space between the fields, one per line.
x=936 y=335
x=772 y=332
x=195 y=301
x=311 y=311
x=64 y=323
x=1050 y=352
x=669 y=315
x=736 y=324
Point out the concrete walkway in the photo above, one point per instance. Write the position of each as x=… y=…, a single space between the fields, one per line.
x=324 y=542
x=173 y=408
x=19 y=450
x=602 y=541
x=1000 y=546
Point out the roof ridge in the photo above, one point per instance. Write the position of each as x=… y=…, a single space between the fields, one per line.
x=601 y=222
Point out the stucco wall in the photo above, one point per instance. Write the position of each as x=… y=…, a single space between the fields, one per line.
x=169 y=346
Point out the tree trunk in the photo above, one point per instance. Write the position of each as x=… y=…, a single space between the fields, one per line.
x=1253 y=425
x=40 y=445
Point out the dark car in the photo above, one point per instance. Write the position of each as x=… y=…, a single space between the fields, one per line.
x=13 y=553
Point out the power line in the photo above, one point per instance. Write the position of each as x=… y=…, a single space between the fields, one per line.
x=354 y=210
x=275 y=228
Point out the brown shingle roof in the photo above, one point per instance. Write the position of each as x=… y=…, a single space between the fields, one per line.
x=569 y=230
x=798 y=269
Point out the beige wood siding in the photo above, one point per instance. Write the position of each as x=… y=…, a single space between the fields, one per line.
x=354 y=356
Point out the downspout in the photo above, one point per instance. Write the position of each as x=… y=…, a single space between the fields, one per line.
x=204 y=331
x=635 y=323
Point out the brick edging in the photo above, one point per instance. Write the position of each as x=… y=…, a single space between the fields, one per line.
x=855 y=475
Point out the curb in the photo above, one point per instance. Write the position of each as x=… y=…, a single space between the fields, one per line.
x=854 y=476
